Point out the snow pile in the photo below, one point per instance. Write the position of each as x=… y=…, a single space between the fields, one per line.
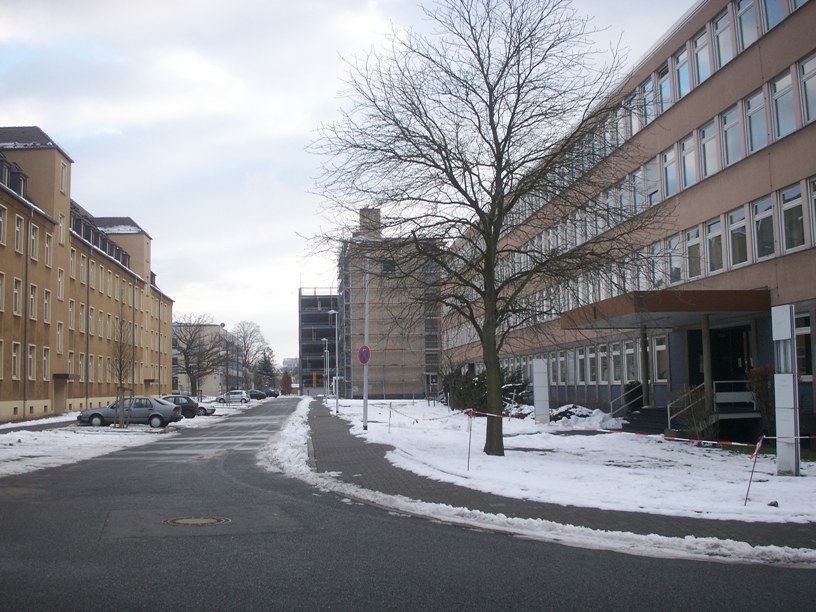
x=572 y=415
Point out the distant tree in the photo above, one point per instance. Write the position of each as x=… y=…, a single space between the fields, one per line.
x=199 y=347
x=286 y=383
x=266 y=374
x=122 y=362
x=250 y=344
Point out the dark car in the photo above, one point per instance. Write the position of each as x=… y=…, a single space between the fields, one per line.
x=189 y=407
x=256 y=395
x=271 y=393
x=137 y=410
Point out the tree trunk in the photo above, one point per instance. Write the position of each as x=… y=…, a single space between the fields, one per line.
x=494 y=441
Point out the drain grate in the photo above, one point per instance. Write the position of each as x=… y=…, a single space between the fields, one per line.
x=192 y=521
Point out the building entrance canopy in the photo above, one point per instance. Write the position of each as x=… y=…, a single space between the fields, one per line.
x=666 y=309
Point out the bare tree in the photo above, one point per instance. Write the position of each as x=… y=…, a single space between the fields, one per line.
x=250 y=344
x=197 y=339
x=122 y=362
x=487 y=145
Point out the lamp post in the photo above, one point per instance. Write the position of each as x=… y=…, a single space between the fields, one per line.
x=336 y=363
x=226 y=361
x=325 y=342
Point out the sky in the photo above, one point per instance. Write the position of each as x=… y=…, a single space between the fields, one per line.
x=193 y=116
x=616 y=471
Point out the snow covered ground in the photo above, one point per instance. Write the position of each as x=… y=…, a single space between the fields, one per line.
x=542 y=462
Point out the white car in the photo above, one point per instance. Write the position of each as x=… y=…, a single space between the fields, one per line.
x=233 y=397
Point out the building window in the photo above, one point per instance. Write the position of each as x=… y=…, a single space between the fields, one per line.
x=808 y=75
x=774 y=12
x=91 y=321
x=81 y=367
x=46 y=363
x=617 y=363
x=32 y=302
x=763 y=228
x=592 y=365
x=688 y=155
x=702 y=57
x=682 y=76
x=3 y=214
x=637 y=191
x=661 y=358
x=71 y=314
x=91 y=364
x=784 y=109
x=756 y=120
x=657 y=276
x=603 y=364
x=83 y=273
x=675 y=259
x=72 y=263
x=709 y=151
x=747 y=23
x=723 y=40
x=647 y=102
x=82 y=317
x=60 y=284
x=737 y=237
x=17 y=297
x=731 y=136
x=2 y=357
x=664 y=99
x=652 y=182
x=630 y=361
x=669 y=164
x=49 y=250
x=2 y=291
x=47 y=306
x=18 y=233
x=34 y=252
x=71 y=362
x=694 y=256
x=15 y=361
x=793 y=222
x=32 y=362
x=61 y=229
x=580 y=357
x=59 y=337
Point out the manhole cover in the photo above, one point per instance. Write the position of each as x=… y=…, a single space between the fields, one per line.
x=197 y=521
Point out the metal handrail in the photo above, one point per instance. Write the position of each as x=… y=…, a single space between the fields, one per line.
x=683 y=398
x=613 y=411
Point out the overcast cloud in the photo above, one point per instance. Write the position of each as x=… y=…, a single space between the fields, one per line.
x=191 y=117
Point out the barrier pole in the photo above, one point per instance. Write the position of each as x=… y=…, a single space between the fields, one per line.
x=753 y=467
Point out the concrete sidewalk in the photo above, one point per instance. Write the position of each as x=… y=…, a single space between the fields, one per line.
x=334 y=449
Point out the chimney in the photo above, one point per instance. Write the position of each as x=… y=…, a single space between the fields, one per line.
x=370 y=222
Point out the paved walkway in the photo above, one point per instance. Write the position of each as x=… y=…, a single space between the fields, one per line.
x=334 y=449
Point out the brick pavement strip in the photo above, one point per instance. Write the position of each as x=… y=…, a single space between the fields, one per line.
x=335 y=449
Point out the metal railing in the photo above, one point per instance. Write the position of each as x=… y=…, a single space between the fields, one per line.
x=685 y=402
x=623 y=407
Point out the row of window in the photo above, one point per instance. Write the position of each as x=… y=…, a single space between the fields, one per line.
x=744 y=128
x=103 y=368
x=770 y=113
x=618 y=362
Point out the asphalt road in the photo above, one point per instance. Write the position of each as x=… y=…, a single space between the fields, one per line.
x=192 y=523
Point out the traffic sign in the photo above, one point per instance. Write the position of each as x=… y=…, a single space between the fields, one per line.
x=364 y=354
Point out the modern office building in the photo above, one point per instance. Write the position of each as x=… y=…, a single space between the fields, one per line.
x=718 y=124
x=81 y=316
x=403 y=331
x=317 y=318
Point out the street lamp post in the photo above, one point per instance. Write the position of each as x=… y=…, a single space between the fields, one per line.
x=336 y=363
x=325 y=367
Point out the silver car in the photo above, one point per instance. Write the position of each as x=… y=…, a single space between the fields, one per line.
x=233 y=397
x=138 y=410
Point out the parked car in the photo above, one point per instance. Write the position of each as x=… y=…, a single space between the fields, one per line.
x=138 y=410
x=256 y=394
x=233 y=397
x=189 y=406
x=271 y=393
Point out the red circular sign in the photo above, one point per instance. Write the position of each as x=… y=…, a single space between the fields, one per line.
x=364 y=354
